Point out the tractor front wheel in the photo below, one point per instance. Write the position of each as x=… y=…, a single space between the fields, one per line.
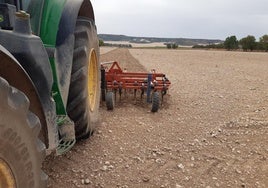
x=21 y=152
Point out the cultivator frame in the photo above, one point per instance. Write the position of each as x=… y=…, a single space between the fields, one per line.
x=115 y=80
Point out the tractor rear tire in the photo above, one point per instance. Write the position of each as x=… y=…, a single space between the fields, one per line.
x=84 y=92
x=155 y=101
x=21 y=152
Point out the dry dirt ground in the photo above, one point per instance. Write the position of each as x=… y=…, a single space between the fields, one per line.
x=212 y=130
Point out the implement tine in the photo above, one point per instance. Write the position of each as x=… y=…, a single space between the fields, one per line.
x=135 y=96
x=163 y=92
x=115 y=91
x=135 y=91
x=120 y=90
x=115 y=83
x=142 y=90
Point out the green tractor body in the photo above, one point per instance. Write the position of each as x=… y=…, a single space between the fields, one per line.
x=49 y=83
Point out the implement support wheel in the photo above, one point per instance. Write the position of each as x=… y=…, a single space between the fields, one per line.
x=110 y=100
x=155 y=101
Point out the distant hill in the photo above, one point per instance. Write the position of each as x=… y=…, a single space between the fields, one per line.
x=179 y=41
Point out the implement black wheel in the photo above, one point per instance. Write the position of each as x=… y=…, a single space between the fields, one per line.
x=155 y=101
x=21 y=152
x=84 y=92
x=109 y=100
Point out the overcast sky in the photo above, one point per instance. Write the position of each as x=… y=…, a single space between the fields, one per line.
x=209 y=19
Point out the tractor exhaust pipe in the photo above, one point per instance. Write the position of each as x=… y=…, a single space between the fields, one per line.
x=22 y=23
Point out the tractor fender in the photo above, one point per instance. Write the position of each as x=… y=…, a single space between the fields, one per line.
x=65 y=41
x=72 y=9
x=21 y=71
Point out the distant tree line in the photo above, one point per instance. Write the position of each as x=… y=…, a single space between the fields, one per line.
x=102 y=43
x=248 y=43
x=215 y=46
x=171 y=45
x=118 y=45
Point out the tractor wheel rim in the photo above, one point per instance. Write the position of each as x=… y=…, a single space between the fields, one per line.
x=6 y=176
x=92 y=79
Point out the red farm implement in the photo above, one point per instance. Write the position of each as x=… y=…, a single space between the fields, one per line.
x=115 y=80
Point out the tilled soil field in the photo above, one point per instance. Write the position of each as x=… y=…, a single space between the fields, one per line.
x=211 y=130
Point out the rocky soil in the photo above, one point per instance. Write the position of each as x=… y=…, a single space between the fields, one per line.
x=211 y=130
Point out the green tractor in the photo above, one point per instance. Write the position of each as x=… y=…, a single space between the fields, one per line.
x=49 y=84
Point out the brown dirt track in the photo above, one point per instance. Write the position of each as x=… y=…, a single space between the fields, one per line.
x=212 y=130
